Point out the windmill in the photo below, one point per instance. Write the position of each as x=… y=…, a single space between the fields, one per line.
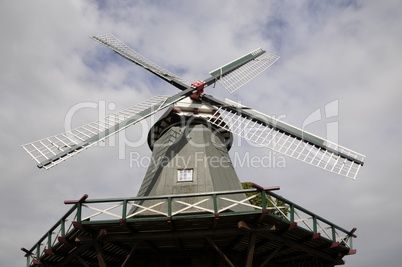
x=230 y=116
x=190 y=141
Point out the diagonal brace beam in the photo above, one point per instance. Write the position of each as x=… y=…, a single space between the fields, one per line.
x=212 y=243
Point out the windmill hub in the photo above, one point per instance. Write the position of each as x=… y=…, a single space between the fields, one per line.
x=199 y=86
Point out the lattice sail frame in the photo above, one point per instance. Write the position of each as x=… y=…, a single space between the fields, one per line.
x=125 y=51
x=235 y=74
x=305 y=147
x=50 y=151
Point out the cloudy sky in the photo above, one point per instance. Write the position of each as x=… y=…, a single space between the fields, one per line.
x=343 y=51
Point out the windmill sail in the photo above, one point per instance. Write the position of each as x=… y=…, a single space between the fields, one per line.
x=50 y=151
x=286 y=139
x=125 y=51
x=237 y=73
x=232 y=76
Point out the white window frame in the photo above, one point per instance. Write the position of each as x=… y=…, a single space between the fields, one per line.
x=185 y=175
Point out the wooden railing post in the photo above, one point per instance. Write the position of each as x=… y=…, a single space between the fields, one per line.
x=124 y=210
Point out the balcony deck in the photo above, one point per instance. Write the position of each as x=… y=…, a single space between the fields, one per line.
x=102 y=232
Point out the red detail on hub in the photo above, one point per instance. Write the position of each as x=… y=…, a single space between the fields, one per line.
x=199 y=86
x=196 y=111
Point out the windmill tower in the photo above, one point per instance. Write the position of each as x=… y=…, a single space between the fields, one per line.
x=192 y=171
x=190 y=155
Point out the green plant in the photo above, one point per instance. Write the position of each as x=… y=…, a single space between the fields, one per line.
x=257 y=201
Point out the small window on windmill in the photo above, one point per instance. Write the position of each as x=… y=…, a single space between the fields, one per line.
x=185 y=175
